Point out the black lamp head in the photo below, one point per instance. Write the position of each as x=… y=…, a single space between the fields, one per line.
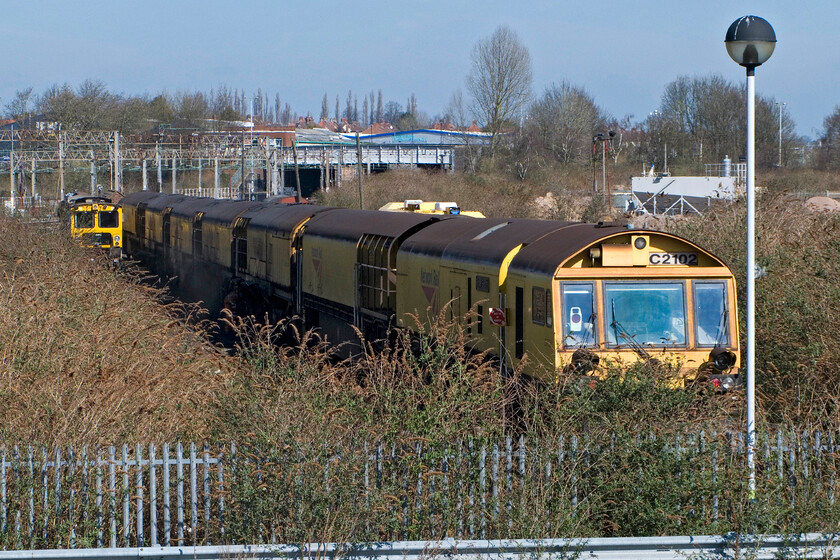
x=750 y=41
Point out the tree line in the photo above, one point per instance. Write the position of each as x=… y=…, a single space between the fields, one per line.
x=91 y=106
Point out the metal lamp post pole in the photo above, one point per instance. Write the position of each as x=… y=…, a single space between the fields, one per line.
x=751 y=278
x=750 y=42
x=780 y=133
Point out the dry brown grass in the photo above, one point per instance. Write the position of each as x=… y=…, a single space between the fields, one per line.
x=495 y=194
x=87 y=354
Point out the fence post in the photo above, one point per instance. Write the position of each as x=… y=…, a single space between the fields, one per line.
x=138 y=482
x=780 y=455
x=832 y=470
x=2 y=490
x=573 y=458
x=803 y=446
x=495 y=475
x=167 y=513
x=152 y=497
x=179 y=470
x=792 y=468
x=45 y=492
x=193 y=493
x=817 y=455
x=206 y=461
x=715 y=497
x=85 y=485
x=100 y=515
x=482 y=489
x=470 y=487
x=221 y=480
x=71 y=472
x=418 y=504
x=112 y=497
x=126 y=498
x=444 y=467
x=459 y=507
x=57 y=473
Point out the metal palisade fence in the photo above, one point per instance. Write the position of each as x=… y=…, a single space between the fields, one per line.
x=613 y=485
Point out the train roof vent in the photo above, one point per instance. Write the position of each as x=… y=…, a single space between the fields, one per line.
x=488 y=231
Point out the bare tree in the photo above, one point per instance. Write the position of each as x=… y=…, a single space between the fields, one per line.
x=20 y=107
x=701 y=119
x=365 y=111
x=325 y=108
x=190 y=110
x=93 y=105
x=500 y=81
x=348 y=107
x=393 y=111
x=562 y=121
x=457 y=115
x=57 y=104
x=380 y=112
x=829 y=155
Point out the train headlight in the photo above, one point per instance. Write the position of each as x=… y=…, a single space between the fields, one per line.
x=722 y=359
x=116 y=239
x=584 y=360
x=640 y=243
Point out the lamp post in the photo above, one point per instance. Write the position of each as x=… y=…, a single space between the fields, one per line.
x=750 y=41
x=603 y=139
x=780 y=104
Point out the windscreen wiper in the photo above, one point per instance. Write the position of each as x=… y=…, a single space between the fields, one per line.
x=721 y=327
x=620 y=331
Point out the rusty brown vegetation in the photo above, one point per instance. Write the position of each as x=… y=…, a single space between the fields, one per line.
x=88 y=353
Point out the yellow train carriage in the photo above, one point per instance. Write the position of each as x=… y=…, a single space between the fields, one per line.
x=586 y=293
x=96 y=222
x=348 y=270
x=460 y=265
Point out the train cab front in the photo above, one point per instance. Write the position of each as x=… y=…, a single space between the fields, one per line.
x=650 y=297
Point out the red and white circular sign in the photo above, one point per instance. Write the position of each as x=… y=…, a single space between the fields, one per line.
x=497 y=316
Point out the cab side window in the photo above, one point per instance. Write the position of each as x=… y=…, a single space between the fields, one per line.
x=578 y=306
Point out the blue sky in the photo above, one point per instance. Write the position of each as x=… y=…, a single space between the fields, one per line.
x=622 y=52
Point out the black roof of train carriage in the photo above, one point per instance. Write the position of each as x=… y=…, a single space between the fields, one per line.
x=163 y=201
x=477 y=240
x=546 y=254
x=282 y=218
x=188 y=207
x=351 y=225
x=226 y=211
x=137 y=198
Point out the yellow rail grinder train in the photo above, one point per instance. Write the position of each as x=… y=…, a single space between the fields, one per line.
x=96 y=222
x=542 y=296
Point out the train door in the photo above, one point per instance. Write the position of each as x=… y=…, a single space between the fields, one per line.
x=197 y=236
x=240 y=245
x=459 y=294
x=514 y=339
x=166 y=231
x=519 y=324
